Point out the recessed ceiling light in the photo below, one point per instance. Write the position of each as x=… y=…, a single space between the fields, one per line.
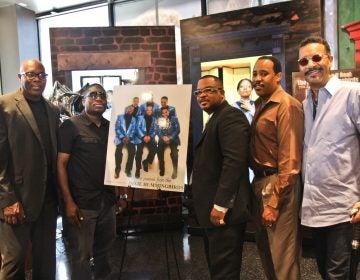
x=22 y=4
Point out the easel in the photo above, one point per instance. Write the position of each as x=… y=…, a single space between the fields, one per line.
x=165 y=234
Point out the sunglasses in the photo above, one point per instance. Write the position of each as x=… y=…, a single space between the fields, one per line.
x=206 y=90
x=93 y=95
x=315 y=58
x=32 y=75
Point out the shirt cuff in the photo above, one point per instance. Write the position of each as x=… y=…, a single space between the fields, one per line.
x=221 y=209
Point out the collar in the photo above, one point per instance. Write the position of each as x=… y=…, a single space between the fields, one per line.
x=88 y=121
x=245 y=100
x=275 y=97
x=331 y=87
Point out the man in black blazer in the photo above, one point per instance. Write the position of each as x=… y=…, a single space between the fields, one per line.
x=28 y=200
x=220 y=180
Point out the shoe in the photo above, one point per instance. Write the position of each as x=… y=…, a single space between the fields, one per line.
x=128 y=173
x=117 y=172
x=174 y=175
x=162 y=172
x=137 y=173
x=145 y=165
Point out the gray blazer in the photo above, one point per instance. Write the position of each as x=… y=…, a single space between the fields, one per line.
x=23 y=163
x=220 y=171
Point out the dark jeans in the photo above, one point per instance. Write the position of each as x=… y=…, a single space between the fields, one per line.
x=174 y=155
x=119 y=155
x=223 y=247
x=92 y=241
x=333 y=250
x=14 y=242
x=139 y=152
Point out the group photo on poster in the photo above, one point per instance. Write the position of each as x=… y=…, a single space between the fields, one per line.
x=147 y=145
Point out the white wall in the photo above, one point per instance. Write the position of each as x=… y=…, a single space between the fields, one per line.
x=18 y=41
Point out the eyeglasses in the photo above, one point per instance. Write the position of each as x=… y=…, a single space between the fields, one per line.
x=93 y=95
x=32 y=75
x=206 y=90
x=315 y=58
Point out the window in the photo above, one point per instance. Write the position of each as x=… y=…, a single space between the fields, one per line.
x=97 y=16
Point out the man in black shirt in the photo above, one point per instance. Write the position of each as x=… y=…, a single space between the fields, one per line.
x=28 y=197
x=89 y=205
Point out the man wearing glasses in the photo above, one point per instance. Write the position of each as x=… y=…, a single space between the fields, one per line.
x=28 y=197
x=220 y=180
x=89 y=205
x=331 y=158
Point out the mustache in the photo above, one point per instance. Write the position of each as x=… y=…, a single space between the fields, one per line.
x=308 y=71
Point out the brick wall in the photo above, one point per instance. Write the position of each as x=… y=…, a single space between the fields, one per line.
x=158 y=41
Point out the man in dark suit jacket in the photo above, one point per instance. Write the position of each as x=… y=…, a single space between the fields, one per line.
x=220 y=180
x=28 y=199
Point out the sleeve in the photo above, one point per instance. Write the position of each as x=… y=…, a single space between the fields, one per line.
x=139 y=127
x=353 y=108
x=7 y=195
x=290 y=136
x=233 y=136
x=66 y=137
x=176 y=131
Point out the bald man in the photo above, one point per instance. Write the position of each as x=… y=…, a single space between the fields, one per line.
x=28 y=197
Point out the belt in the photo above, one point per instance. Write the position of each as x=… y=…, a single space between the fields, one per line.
x=260 y=173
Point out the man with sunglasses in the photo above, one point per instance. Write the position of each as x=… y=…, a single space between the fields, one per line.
x=28 y=196
x=331 y=158
x=276 y=149
x=220 y=180
x=89 y=205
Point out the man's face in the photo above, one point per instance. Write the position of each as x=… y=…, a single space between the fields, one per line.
x=212 y=97
x=33 y=79
x=130 y=110
x=165 y=113
x=317 y=74
x=95 y=100
x=264 y=79
x=136 y=101
x=163 y=102
x=149 y=111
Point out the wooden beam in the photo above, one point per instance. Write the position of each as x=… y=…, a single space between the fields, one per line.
x=103 y=60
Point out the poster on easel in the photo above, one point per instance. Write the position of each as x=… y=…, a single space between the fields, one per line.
x=148 y=137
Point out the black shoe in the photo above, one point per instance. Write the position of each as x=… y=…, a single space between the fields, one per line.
x=137 y=173
x=162 y=172
x=145 y=165
x=174 y=175
x=128 y=173
x=117 y=172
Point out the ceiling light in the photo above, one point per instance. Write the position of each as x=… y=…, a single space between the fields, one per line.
x=22 y=4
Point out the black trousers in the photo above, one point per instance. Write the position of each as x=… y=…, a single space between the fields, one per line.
x=174 y=155
x=14 y=242
x=223 y=247
x=332 y=246
x=119 y=155
x=139 y=152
